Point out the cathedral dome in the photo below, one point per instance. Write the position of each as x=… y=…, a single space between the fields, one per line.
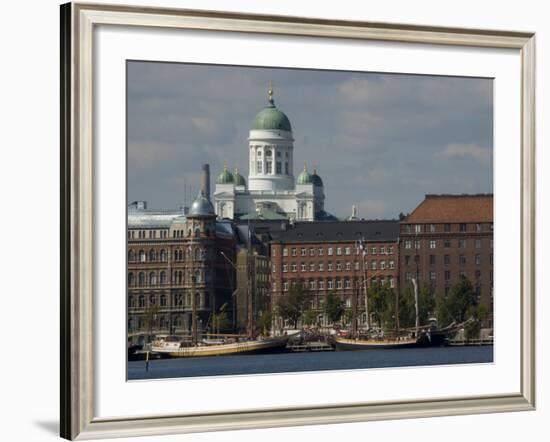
x=305 y=177
x=225 y=177
x=238 y=178
x=316 y=179
x=201 y=207
x=271 y=118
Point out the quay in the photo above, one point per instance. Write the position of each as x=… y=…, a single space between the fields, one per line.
x=470 y=342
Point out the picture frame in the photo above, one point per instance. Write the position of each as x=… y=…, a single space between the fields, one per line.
x=79 y=204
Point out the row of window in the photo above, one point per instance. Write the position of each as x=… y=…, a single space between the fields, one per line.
x=447 y=259
x=348 y=250
x=340 y=266
x=179 y=300
x=152 y=278
x=447 y=275
x=338 y=284
x=447 y=243
x=152 y=255
x=151 y=234
x=447 y=227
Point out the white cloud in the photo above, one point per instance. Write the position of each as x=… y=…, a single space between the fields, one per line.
x=479 y=153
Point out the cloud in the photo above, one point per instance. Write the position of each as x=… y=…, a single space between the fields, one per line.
x=478 y=153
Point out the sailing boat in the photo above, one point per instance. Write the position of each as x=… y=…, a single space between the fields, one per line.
x=175 y=346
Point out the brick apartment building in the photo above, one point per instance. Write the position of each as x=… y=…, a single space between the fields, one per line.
x=325 y=257
x=447 y=236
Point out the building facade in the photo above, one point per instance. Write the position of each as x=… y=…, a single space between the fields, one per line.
x=448 y=236
x=271 y=184
x=335 y=257
x=175 y=267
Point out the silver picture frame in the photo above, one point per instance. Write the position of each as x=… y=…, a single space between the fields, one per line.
x=78 y=21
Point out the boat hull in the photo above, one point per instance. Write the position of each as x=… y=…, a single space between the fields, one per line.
x=343 y=344
x=245 y=347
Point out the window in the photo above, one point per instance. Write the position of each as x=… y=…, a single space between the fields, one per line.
x=338 y=266
x=417 y=244
x=418 y=228
x=408 y=244
x=321 y=266
x=339 y=284
x=285 y=252
x=447 y=260
x=303 y=251
x=408 y=276
x=390 y=250
x=461 y=243
x=274 y=286
x=407 y=259
x=330 y=251
x=311 y=251
x=382 y=250
x=447 y=244
x=259 y=165
x=392 y=264
x=273 y=268
x=312 y=285
x=357 y=265
x=142 y=256
x=348 y=250
x=446 y=227
x=163 y=256
x=478 y=244
x=432 y=244
x=130 y=279
x=321 y=251
x=447 y=275
x=348 y=265
x=329 y=266
x=432 y=228
x=462 y=227
x=382 y=265
x=294 y=267
x=373 y=250
x=312 y=267
x=432 y=276
x=478 y=227
x=279 y=169
x=347 y=284
x=478 y=274
x=462 y=260
x=408 y=228
x=286 y=166
x=294 y=251
x=285 y=285
x=321 y=284
x=141 y=278
x=163 y=277
x=478 y=260
x=373 y=265
x=330 y=284
x=432 y=260
x=392 y=283
x=338 y=251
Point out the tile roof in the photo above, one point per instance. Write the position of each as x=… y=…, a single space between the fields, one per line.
x=376 y=230
x=453 y=209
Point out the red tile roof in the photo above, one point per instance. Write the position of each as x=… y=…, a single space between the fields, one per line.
x=453 y=209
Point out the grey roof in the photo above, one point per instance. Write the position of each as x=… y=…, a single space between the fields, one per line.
x=138 y=218
x=201 y=207
x=375 y=230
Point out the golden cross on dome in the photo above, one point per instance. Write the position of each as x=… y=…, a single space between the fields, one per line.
x=270 y=92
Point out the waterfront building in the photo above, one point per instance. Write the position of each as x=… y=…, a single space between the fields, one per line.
x=335 y=257
x=447 y=236
x=176 y=266
x=272 y=191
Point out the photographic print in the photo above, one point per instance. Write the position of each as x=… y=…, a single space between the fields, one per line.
x=294 y=220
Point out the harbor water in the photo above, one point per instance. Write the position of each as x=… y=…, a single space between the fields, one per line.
x=310 y=361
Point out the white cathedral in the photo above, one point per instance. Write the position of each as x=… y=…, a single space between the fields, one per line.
x=272 y=192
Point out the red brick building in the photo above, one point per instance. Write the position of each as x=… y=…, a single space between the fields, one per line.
x=447 y=236
x=325 y=257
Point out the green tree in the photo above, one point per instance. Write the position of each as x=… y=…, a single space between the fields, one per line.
x=220 y=321
x=334 y=307
x=291 y=307
x=478 y=313
x=309 y=317
x=460 y=299
x=264 y=321
x=380 y=299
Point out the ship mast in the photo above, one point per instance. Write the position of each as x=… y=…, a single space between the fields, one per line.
x=194 y=333
x=361 y=245
x=250 y=285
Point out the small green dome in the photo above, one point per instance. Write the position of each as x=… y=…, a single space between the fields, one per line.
x=225 y=177
x=238 y=178
x=317 y=181
x=271 y=118
x=305 y=177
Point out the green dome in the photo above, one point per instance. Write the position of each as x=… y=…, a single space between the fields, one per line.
x=317 y=181
x=271 y=118
x=238 y=178
x=305 y=177
x=225 y=177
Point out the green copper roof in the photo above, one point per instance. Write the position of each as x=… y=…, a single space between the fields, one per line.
x=225 y=177
x=305 y=177
x=238 y=178
x=271 y=118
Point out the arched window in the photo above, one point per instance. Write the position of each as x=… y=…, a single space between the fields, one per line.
x=163 y=300
x=141 y=301
x=163 y=277
x=152 y=300
x=197 y=232
x=197 y=253
x=141 y=278
x=131 y=302
x=142 y=257
x=130 y=255
x=130 y=279
x=152 y=278
x=152 y=255
x=163 y=255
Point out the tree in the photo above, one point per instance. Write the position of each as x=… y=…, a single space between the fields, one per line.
x=460 y=299
x=478 y=313
x=310 y=317
x=220 y=321
x=334 y=307
x=291 y=306
x=380 y=299
x=264 y=321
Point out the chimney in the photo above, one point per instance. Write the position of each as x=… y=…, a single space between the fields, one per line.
x=205 y=181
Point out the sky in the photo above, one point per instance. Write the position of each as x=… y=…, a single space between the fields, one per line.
x=379 y=141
